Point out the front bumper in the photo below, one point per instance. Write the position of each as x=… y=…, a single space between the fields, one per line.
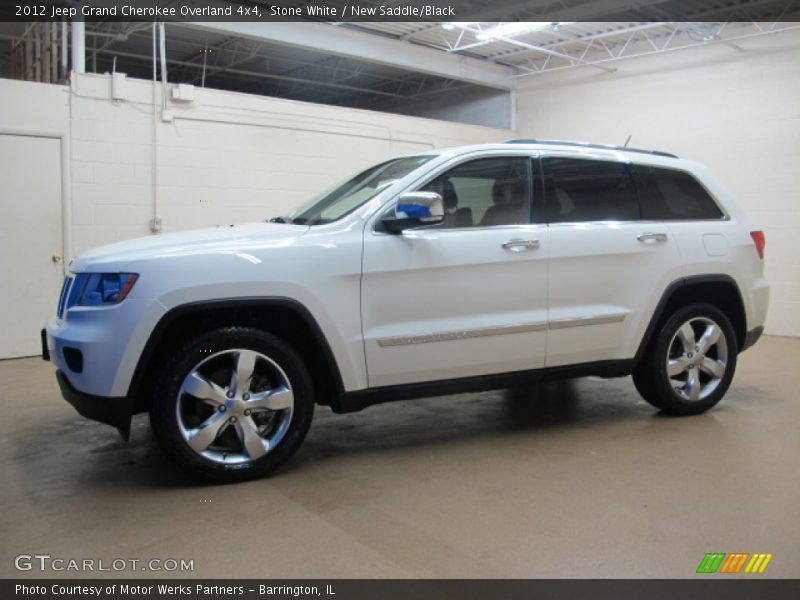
x=112 y=411
x=98 y=348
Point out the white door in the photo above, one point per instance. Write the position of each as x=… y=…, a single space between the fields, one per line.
x=451 y=301
x=608 y=267
x=31 y=266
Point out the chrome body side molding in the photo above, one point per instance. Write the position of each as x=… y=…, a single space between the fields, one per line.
x=446 y=336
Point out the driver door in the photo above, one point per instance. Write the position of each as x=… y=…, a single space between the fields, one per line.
x=468 y=296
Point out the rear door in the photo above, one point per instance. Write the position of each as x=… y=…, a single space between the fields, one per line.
x=608 y=267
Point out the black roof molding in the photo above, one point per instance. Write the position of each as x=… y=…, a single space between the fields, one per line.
x=587 y=145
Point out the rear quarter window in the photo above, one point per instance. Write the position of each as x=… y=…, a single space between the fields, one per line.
x=669 y=195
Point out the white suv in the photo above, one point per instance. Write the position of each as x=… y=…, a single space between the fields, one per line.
x=438 y=272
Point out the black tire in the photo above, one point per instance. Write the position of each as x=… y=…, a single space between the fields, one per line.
x=701 y=384
x=278 y=375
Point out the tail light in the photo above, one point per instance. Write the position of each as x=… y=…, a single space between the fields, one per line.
x=760 y=241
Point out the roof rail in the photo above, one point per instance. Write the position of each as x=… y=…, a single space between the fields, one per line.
x=587 y=145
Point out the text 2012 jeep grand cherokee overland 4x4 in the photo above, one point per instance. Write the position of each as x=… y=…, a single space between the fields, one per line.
x=444 y=271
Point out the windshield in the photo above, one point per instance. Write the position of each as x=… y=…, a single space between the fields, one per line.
x=350 y=195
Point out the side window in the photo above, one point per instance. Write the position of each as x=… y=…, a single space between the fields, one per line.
x=668 y=195
x=589 y=190
x=484 y=192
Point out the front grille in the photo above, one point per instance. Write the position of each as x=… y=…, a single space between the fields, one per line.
x=62 y=299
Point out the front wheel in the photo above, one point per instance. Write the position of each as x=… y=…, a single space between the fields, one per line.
x=232 y=404
x=690 y=365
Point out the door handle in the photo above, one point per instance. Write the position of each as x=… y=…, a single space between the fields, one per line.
x=56 y=258
x=652 y=237
x=517 y=245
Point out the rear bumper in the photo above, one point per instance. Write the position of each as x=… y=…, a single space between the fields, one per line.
x=752 y=337
x=111 y=411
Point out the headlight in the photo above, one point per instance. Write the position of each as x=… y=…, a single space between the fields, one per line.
x=94 y=289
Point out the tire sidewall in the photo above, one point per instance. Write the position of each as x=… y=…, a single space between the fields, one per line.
x=669 y=399
x=163 y=414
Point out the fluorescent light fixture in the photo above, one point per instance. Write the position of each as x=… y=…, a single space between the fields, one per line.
x=460 y=25
x=506 y=30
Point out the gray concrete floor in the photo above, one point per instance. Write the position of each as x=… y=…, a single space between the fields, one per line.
x=572 y=479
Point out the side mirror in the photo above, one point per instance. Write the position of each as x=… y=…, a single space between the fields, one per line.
x=415 y=208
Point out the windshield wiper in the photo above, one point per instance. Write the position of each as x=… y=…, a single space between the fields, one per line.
x=280 y=220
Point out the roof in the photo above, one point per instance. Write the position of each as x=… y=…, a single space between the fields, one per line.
x=588 y=145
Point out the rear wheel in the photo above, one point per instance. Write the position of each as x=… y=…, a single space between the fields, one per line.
x=232 y=404
x=689 y=366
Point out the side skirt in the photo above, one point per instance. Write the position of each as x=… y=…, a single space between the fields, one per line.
x=361 y=399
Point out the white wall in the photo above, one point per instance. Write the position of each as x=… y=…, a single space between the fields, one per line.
x=478 y=105
x=738 y=113
x=33 y=108
x=224 y=158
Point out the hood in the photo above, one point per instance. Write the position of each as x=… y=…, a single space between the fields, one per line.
x=213 y=240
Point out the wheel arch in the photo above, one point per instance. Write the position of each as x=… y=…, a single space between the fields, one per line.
x=284 y=317
x=719 y=290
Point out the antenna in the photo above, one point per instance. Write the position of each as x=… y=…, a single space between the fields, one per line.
x=626 y=141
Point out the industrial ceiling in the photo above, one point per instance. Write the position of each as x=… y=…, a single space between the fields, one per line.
x=360 y=64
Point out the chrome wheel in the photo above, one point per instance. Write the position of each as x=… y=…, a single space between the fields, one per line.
x=697 y=359
x=235 y=406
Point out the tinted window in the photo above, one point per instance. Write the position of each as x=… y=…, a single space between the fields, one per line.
x=589 y=190
x=668 y=195
x=489 y=191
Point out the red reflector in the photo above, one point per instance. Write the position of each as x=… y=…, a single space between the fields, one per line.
x=760 y=241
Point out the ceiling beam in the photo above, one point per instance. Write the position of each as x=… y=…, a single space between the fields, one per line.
x=370 y=48
x=250 y=75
